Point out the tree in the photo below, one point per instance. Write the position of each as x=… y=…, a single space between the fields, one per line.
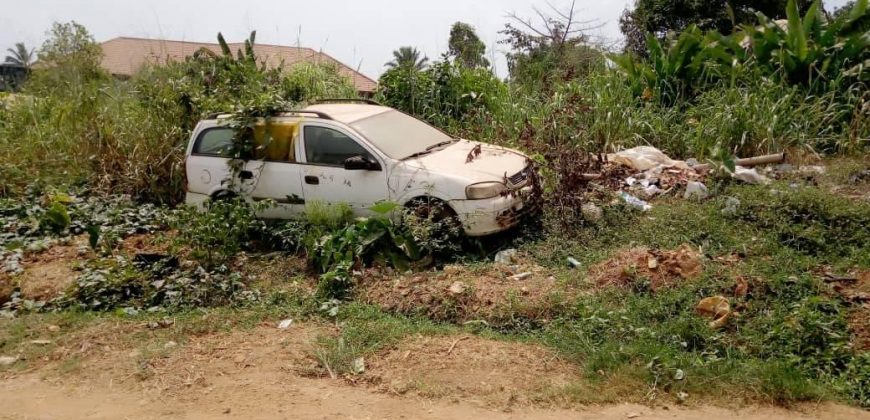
x=20 y=55
x=555 y=48
x=466 y=47
x=661 y=17
x=408 y=57
x=68 y=57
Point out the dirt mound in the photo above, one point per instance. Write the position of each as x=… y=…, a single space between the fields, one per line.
x=494 y=293
x=467 y=367
x=634 y=267
x=47 y=274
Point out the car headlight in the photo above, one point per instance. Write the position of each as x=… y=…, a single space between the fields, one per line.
x=484 y=190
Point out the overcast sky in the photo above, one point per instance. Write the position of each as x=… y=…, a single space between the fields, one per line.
x=360 y=33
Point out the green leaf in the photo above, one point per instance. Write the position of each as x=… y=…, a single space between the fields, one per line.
x=384 y=207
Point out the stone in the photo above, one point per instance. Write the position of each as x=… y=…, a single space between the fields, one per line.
x=696 y=190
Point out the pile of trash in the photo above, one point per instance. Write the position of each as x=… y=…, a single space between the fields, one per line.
x=654 y=174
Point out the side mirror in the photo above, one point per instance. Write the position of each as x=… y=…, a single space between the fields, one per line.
x=361 y=163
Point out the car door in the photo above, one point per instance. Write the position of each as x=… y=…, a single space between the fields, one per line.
x=325 y=178
x=279 y=173
x=207 y=166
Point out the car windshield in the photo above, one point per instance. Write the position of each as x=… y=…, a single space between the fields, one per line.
x=399 y=135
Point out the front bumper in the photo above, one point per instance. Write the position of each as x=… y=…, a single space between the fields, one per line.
x=493 y=215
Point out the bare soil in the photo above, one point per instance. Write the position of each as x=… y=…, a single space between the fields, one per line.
x=460 y=294
x=662 y=268
x=47 y=274
x=498 y=374
x=256 y=374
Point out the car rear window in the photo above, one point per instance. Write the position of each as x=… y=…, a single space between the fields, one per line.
x=214 y=142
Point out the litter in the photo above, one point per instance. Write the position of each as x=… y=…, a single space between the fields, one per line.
x=716 y=308
x=749 y=176
x=7 y=360
x=522 y=276
x=285 y=324
x=573 y=263
x=644 y=158
x=634 y=201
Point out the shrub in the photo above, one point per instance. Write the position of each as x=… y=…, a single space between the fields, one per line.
x=219 y=231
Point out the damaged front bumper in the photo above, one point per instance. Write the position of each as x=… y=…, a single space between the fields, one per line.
x=493 y=215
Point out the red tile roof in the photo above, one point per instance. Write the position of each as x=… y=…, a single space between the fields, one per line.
x=124 y=56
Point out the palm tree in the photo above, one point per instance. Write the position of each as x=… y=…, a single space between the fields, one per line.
x=20 y=55
x=408 y=57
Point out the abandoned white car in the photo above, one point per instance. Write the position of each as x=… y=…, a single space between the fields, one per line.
x=361 y=153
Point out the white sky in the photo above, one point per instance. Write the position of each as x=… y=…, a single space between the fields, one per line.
x=360 y=33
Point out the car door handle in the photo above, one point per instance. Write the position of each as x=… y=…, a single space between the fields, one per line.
x=313 y=180
x=246 y=175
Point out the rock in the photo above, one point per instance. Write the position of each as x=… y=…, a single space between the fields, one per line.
x=679 y=375
x=732 y=205
x=7 y=360
x=682 y=396
x=457 y=288
x=285 y=324
x=40 y=342
x=506 y=256
x=53 y=328
x=696 y=190
x=170 y=345
x=591 y=212
x=652 y=263
x=633 y=415
x=358 y=366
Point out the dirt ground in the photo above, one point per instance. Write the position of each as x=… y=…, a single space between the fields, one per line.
x=258 y=374
x=458 y=293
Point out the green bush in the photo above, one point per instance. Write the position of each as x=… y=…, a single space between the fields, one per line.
x=220 y=230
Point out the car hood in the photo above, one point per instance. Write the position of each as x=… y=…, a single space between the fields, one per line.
x=492 y=164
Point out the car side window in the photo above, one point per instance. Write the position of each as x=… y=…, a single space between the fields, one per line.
x=325 y=146
x=214 y=142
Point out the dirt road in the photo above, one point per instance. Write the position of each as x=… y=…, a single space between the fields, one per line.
x=261 y=374
x=29 y=397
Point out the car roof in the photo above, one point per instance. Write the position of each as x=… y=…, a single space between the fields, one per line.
x=349 y=113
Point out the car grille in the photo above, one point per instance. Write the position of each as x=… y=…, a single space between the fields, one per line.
x=520 y=177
